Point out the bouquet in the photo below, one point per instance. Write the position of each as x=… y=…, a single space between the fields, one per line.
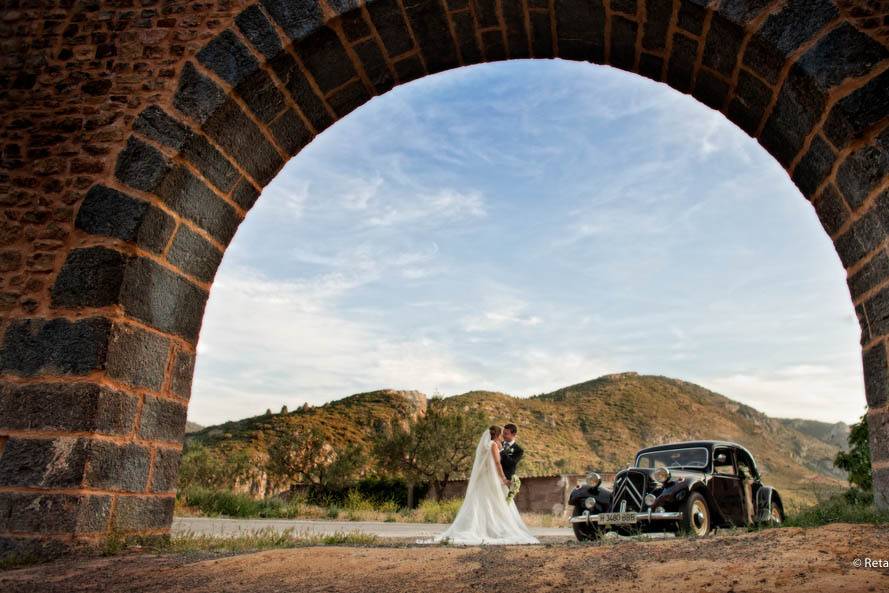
x=514 y=485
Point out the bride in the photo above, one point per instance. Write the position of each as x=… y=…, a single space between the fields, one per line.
x=485 y=516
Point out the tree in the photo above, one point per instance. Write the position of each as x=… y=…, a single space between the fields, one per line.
x=434 y=448
x=296 y=455
x=856 y=461
x=284 y=409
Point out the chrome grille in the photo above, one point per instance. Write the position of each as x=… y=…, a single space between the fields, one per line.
x=629 y=489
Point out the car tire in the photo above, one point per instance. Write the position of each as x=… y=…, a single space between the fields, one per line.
x=696 y=516
x=776 y=515
x=584 y=532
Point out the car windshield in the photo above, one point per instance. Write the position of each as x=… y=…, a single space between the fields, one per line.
x=692 y=457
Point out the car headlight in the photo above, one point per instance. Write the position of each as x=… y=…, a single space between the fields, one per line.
x=593 y=479
x=661 y=474
x=589 y=503
x=649 y=499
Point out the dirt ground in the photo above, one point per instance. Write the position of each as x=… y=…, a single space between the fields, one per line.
x=791 y=559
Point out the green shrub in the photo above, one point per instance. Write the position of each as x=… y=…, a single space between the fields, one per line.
x=433 y=511
x=848 y=507
x=232 y=504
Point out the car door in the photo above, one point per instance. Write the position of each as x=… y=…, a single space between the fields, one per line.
x=725 y=486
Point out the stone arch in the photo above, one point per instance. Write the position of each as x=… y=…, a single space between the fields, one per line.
x=136 y=139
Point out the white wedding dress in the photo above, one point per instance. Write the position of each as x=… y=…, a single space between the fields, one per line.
x=486 y=518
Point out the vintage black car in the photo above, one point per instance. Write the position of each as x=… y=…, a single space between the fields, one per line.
x=687 y=487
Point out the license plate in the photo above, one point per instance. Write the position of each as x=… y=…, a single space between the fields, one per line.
x=617 y=518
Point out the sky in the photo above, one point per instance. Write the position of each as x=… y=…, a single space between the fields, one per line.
x=524 y=226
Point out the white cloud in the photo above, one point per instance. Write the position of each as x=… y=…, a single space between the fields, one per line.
x=443 y=206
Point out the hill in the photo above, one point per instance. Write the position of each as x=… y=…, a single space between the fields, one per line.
x=832 y=433
x=596 y=425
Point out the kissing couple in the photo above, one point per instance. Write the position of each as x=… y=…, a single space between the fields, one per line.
x=488 y=514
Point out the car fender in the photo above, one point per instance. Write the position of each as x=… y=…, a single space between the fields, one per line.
x=579 y=494
x=765 y=496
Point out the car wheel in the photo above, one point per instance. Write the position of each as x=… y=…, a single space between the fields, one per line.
x=776 y=514
x=584 y=532
x=696 y=515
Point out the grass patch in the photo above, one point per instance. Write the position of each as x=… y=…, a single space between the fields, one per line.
x=263 y=539
x=850 y=507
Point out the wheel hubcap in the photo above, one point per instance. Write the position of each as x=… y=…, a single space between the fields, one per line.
x=699 y=518
x=776 y=515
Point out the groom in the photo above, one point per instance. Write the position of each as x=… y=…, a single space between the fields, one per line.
x=511 y=453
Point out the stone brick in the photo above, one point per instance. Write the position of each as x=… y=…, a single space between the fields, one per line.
x=187 y=195
x=814 y=167
x=375 y=66
x=154 y=123
x=876 y=314
x=162 y=299
x=751 y=99
x=197 y=96
x=228 y=58
x=354 y=26
x=691 y=17
x=799 y=106
x=464 y=29
x=138 y=513
x=141 y=166
x=486 y=13
x=137 y=357
x=843 y=53
x=494 y=48
x=430 y=27
x=516 y=34
x=44 y=463
x=881 y=487
x=854 y=114
x=117 y=467
x=256 y=27
x=872 y=273
x=326 y=60
x=166 y=470
x=680 y=68
x=90 y=277
x=78 y=407
x=710 y=90
x=183 y=371
x=876 y=376
x=722 y=46
x=878 y=425
x=657 y=22
x=409 y=69
x=623 y=42
x=783 y=32
x=55 y=346
x=290 y=132
x=243 y=141
x=389 y=22
x=210 y=163
x=541 y=35
x=863 y=170
x=53 y=513
x=861 y=238
x=194 y=255
x=261 y=96
x=626 y=6
x=301 y=91
x=297 y=19
x=650 y=66
x=162 y=419
x=743 y=11
x=111 y=213
x=580 y=29
x=349 y=98
x=245 y=194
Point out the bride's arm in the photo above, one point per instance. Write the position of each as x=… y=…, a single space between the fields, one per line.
x=495 y=452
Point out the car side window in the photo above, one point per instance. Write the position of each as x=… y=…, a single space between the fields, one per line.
x=724 y=466
x=745 y=466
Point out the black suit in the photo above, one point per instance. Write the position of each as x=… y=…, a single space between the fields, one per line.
x=510 y=457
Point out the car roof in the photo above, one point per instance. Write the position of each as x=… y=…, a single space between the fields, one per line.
x=686 y=444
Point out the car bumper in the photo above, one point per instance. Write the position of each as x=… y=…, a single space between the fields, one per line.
x=647 y=516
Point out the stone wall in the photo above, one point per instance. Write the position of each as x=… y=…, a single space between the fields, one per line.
x=136 y=134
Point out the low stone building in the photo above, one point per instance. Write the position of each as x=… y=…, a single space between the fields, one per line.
x=546 y=494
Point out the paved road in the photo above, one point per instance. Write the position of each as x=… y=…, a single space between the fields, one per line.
x=225 y=527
